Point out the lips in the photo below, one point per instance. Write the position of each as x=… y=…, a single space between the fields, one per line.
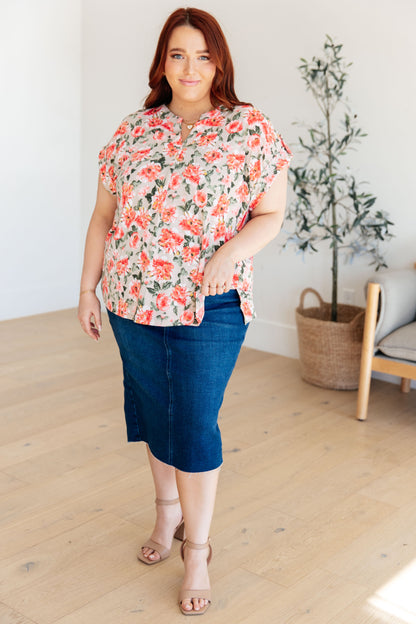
x=189 y=83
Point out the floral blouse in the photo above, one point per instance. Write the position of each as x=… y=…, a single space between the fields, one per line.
x=177 y=202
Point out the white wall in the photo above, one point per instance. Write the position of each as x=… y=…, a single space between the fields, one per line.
x=40 y=131
x=266 y=38
x=378 y=38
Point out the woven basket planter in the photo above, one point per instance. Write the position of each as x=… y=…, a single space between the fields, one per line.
x=329 y=352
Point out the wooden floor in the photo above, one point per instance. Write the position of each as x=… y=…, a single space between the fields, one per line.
x=315 y=519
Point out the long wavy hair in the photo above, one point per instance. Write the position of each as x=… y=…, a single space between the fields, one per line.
x=222 y=89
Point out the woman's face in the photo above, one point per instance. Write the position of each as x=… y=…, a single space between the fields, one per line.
x=189 y=69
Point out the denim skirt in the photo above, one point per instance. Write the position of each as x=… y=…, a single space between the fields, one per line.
x=174 y=382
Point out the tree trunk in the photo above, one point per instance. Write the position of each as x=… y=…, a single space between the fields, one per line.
x=334 y=304
x=333 y=204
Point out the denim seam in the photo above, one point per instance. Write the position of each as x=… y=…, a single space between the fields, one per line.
x=133 y=404
x=169 y=377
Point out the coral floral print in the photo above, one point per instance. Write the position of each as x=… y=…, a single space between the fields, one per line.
x=177 y=203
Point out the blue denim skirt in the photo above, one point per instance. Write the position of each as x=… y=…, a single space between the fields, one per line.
x=174 y=382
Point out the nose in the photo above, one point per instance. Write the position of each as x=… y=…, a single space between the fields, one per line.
x=189 y=66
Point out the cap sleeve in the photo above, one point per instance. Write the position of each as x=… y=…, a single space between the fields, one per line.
x=107 y=160
x=106 y=167
x=268 y=156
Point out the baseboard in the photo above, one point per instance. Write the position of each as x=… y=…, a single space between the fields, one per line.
x=273 y=338
x=282 y=340
x=390 y=378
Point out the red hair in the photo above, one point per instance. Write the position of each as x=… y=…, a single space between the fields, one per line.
x=222 y=89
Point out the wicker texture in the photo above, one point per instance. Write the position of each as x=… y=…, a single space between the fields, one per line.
x=329 y=352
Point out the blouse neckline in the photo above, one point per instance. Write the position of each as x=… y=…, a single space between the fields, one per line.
x=165 y=110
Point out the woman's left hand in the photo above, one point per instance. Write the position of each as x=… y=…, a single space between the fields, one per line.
x=218 y=273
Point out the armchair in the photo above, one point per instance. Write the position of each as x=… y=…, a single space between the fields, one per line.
x=389 y=341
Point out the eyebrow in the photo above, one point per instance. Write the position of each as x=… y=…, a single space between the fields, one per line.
x=182 y=50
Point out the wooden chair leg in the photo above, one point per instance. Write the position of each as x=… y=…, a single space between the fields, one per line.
x=367 y=350
x=405 y=384
x=363 y=391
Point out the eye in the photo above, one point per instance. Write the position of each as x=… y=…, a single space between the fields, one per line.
x=204 y=57
x=176 y=56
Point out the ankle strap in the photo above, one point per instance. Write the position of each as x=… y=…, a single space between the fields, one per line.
x=194 y=546
x=163 y=501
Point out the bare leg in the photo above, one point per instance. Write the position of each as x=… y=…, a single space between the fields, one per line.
x=167 y=516
x=197 y=491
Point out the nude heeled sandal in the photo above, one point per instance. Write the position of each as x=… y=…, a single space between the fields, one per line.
x=162 y=551
x=197 y=594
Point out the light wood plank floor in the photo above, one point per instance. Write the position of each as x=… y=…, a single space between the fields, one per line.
x=315 y=521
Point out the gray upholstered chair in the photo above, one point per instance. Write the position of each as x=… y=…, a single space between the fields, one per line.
x=389 y=342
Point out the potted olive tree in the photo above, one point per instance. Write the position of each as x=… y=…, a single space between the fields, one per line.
x=332 y=210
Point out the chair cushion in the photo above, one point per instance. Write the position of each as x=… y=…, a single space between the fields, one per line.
x=397 y=301
x=401 y=343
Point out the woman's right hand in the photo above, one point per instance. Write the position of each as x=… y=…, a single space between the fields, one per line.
x=89 y=309
x=89 y=314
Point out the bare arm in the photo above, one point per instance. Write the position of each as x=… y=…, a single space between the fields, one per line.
x=89 y=313
x=264 y=224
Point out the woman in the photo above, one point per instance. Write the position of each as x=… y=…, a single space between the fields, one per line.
x=190 y=188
